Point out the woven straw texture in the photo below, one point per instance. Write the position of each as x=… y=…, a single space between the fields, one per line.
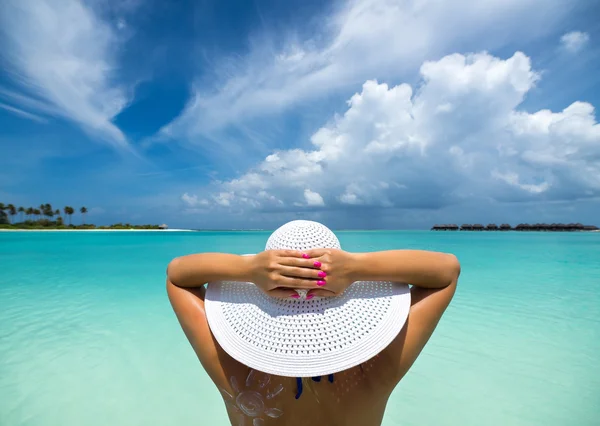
x=304 y=338
x=302 y=235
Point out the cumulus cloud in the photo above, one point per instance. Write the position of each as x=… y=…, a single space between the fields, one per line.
x=313 y=198
x=64 y=59
x=364 y=38
x=459 y=135
x=574 y=41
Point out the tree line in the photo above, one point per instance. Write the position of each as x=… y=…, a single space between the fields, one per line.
x=37 y=214
x=47 y=217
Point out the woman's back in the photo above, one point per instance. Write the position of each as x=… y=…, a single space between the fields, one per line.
x=357 y=396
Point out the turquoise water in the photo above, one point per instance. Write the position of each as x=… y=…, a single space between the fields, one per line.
x=87 y=336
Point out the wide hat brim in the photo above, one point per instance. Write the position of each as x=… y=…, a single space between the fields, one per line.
x=306 y=338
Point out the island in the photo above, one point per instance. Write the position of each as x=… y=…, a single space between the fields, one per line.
x=522 y=227
x=46 y=217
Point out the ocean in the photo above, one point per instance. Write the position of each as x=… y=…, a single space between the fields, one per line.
x=87 y=335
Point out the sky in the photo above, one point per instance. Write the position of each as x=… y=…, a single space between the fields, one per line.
x=362 y=114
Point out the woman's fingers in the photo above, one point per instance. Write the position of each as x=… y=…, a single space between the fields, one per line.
x=289 y=253
x=291 y=271
x=317 y=252
x=299 y=262
x=294 y=282
x=284 y=293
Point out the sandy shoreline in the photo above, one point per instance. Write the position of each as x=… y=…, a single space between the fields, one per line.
x=97 y=230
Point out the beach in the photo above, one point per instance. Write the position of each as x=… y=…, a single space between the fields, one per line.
x=88 y=336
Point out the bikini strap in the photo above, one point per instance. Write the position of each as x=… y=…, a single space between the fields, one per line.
x=315 y=379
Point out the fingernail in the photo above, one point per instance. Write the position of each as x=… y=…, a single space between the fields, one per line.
x=322 y=274
x=306 y=256
x=309 y=296
x=317 y=264
x=295 y=296
x=321 y=283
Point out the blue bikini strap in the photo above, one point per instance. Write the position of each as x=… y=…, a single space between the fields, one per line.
x=315 y=379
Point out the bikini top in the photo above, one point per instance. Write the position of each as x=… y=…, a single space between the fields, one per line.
x=315 y=379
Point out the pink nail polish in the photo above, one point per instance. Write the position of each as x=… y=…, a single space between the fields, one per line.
x=322 y=274
x=321 y=283
x=310 y=296
x=317 y=264
x=295 y=296
x=306 y=256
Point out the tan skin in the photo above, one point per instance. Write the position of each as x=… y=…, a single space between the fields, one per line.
x=357 y=396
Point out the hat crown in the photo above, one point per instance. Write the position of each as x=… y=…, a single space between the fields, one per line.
x=302 y=235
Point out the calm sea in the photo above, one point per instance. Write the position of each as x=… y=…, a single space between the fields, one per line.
x=87 y=336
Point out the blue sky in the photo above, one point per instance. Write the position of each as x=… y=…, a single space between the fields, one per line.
x=246 y=114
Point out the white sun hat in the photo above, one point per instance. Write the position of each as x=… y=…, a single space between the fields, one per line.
x=299 y=337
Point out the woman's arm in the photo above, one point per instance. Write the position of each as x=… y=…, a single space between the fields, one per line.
x=420 y=268
x=276 y=272
x=195 y=270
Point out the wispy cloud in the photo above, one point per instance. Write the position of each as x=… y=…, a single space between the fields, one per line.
x=22 y=113
x=574 y=41
x=364 y=39
x=28 y=102
x=63 y=58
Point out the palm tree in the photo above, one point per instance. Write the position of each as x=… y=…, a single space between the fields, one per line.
x=48 y=211
x=37 y=213
x=28 y=212
x=2 y=207
x=69 y=211
x=21 y=210
x=83 y=211
x=12 y=211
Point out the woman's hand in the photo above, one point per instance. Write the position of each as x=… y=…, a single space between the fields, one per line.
x=279 y=272
x=337 y=267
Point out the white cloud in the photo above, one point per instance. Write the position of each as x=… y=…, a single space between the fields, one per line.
x=193 y=201
x=513 y=179
x=224 y=199
x=362 y=40
x=190 y=200
x=459 y=136
x=24 y=114
x=574 y=41
x=64 y=58
x=313 y=198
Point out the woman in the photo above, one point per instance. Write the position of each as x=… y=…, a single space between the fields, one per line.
x=305 y=333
